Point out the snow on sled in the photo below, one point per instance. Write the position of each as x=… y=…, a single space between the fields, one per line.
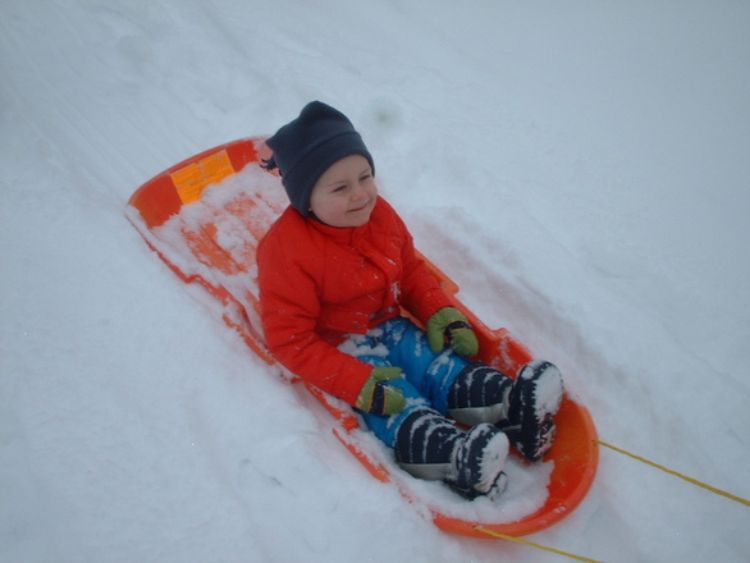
x=204 y=218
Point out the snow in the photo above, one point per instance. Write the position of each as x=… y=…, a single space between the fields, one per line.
x=362 y=344
x=580 y=169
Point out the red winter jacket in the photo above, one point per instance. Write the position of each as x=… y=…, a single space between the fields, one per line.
x=319 y=283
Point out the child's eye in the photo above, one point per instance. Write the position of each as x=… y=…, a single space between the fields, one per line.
x=365 y=177
x=339 y=189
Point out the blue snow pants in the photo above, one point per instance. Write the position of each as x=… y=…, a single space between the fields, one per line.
x=427 y=377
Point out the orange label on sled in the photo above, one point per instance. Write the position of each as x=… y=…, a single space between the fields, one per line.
x=192 y=179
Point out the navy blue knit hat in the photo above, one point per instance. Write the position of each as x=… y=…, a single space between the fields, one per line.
x=307 y=146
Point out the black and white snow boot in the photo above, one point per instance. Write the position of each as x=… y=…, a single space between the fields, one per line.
x=479 y=394
x=478 y=462
x=534 y=401
x=429 y=446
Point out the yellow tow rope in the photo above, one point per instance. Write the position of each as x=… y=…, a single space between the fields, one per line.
x=535 y=545
x=636 y=457
x=682 y=476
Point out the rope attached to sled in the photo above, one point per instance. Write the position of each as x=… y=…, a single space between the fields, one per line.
x=682 y=476
x=535 y=545
x=636 y=457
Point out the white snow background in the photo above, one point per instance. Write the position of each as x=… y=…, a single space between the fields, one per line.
x=581 y=168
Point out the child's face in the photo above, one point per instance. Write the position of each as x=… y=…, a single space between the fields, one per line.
x=345 y=195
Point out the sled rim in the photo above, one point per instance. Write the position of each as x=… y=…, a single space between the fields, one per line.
x=575 y=451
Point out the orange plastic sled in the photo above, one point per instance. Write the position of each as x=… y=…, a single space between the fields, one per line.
x=575 y=451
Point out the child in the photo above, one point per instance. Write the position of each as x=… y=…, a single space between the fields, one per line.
x=336 y=269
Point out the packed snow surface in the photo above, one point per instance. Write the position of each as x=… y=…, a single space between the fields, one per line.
x=579 y=168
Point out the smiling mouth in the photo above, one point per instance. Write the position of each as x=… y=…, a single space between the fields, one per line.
x=365 y=206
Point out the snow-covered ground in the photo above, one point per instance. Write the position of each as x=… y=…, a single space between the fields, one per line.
x=580 y=168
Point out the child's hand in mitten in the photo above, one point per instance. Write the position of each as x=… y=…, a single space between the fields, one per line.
x=451 y=324
x=377 y=397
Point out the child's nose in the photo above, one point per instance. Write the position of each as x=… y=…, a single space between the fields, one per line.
x=358 y=192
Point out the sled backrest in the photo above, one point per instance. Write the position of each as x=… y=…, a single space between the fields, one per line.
x=165 y=194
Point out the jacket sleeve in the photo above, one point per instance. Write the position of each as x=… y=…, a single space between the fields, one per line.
x=289 y=311
x=421 y=293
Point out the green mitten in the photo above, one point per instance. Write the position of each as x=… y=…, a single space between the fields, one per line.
x=451 y=324
x=377 y=397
